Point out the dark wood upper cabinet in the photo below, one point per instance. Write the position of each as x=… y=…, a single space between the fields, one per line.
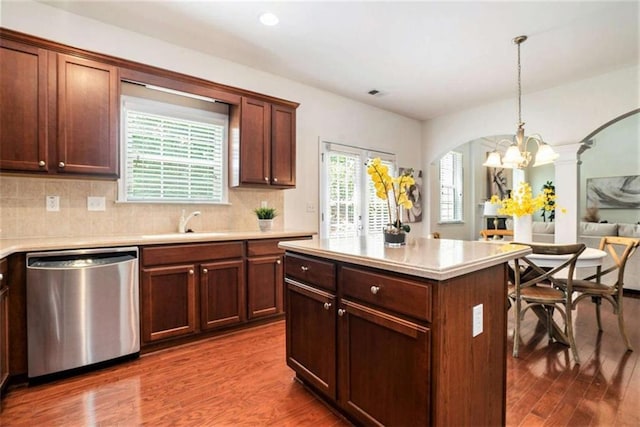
x=88 y=94
x=283 y=145
x=59 y=113
x=266 y=151
x=23 y=107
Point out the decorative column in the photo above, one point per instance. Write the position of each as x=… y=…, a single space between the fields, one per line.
x=567 y=191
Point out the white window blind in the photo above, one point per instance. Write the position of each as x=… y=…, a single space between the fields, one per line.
x=344 y=193
x=349 y=204
x=172 y=153
x=451 y=187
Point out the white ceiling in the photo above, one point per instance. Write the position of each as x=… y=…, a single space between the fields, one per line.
x=426 y=58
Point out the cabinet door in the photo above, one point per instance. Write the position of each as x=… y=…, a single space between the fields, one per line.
x=4 y=325
x=222 y=293
x=311 y=336
x=23 y=107
x=4 y=336
x=283 y=146
x=265 y=277
x=168 y=302
x=384 y=367
x=88 y=118
x=255 y=135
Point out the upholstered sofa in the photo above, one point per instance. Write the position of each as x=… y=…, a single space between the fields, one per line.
x=590 y=233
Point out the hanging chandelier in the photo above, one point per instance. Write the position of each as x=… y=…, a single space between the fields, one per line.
x=517 y=155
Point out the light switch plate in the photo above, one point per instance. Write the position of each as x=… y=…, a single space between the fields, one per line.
x=477 y=320
x=96 y=204
x=311 y=207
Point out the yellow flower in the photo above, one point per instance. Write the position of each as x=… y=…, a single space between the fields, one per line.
x=521 y=202
x=389 y=188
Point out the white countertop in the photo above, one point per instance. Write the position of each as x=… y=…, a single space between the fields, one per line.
x=437 y=259
x=10 y=246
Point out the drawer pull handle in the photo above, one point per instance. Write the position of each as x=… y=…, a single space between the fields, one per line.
x=42 y=163
x=191 y=272
x=205 y=271
x=327 y=305
x=266 y=178
x=1 y=277
x=374 y=289
x=278 y=262
x=304 y=268
x=275 y=179
x=341 y=312
x=61 y=165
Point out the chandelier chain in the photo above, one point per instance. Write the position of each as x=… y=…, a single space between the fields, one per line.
x=519 y=90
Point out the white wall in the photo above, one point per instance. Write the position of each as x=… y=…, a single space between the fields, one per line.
x=562 y=115
x=321 y=114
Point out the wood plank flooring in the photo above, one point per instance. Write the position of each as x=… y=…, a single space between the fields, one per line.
x=242 y=380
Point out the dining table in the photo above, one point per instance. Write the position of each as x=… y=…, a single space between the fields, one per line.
x=591 y=257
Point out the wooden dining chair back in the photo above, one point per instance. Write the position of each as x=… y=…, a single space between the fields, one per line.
x=493 y=233
x=544 y=291
x=607 y=283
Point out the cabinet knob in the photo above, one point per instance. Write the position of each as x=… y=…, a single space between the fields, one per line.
x=205 y=271
x=42 y=163
x=61 y=165
x=1 y=277
x=266 y=178
x=304 y=268
x=341 y=312
x=374 y=289
x=278 y=262
x=191 y=271
x=327 y=305
x=275 y=179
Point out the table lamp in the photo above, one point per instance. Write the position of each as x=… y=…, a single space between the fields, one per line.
x=491 y=209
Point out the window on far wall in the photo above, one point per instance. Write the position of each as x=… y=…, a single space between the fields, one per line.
x=349 y=205
x=451 y=187
x=172 y=152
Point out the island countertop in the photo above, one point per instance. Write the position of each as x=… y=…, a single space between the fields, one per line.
x=437 y=259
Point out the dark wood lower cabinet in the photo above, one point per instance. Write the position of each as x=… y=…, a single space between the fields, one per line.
x=222 y=296
x=384 y=363
x=311 y=336
x=265 y=286
x=384 y=367
x=168 y=302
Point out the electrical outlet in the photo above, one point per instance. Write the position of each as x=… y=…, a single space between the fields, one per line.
x=311 y=207
x=52 y=203
x=477 y=320
x=96 y=204
x=263 y=204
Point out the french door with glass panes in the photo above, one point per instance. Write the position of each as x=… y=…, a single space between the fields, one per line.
x=349 y=206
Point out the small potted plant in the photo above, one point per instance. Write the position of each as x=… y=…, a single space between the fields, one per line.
x=265 y=217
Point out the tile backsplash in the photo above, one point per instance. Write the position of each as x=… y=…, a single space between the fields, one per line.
x=23 y=212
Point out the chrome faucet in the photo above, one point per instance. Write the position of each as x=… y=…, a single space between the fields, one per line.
x=182 y=226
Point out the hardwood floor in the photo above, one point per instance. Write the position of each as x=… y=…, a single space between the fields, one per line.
x=242 y=380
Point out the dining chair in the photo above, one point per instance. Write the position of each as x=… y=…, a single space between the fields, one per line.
x=544 y=292
x=492 y=233
x=620 y=249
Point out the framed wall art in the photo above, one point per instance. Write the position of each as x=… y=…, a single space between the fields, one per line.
x=617 y=192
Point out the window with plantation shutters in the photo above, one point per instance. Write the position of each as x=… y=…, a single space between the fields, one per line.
x=451 y=187
x=172 y=153
x=349 y=205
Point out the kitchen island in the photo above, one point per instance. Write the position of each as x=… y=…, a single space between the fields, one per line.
x=401 y=336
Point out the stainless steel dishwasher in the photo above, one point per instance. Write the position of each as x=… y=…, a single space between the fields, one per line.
x=82 y=308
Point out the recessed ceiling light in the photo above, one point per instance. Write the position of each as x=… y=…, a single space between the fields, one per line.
x=269 y=19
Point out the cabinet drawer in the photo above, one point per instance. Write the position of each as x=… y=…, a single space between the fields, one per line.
x=174 y=254
x=393 y=293
x=312 y=271
x=263 y=247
